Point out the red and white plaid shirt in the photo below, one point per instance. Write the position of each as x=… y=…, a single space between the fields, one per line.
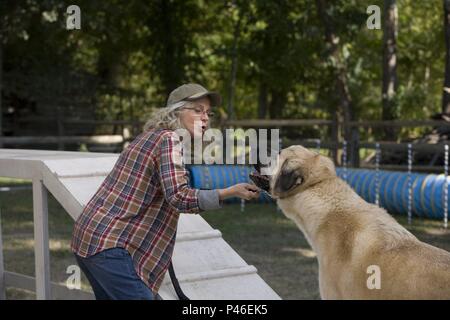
x=138 y=205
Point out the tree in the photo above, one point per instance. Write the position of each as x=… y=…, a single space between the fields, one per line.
x=276 y=52
x=171 y=42
x=340 y=70
x=241 y=8
x=390 y=84
x=446 y=89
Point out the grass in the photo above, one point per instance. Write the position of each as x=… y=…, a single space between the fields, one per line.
x=273 y=244
x=261 y=235
x=16 y=209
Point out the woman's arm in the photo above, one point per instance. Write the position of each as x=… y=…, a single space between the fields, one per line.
x=242 y=190
x=173 y=176
x=175 y=185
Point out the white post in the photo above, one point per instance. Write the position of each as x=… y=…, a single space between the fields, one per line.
x=344 y=159
x=281 y=148
x=410 y=160
x=377 y=173
x=2 y=267
x=41 y=246
x=445 y=186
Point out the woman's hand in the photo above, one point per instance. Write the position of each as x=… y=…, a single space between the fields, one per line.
x=244 y=191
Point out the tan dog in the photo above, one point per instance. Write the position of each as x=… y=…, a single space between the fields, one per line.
x=363 y=253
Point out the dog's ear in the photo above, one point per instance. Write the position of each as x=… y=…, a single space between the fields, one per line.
x=287 y=180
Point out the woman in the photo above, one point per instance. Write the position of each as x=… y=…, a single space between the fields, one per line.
x=124 y=238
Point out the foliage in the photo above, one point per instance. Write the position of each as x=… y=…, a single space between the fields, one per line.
x=145 y=49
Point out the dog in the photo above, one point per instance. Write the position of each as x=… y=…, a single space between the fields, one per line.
x=363 y=253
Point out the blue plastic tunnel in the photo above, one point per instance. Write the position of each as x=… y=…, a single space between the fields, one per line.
x=427 y=189
x=221 y=176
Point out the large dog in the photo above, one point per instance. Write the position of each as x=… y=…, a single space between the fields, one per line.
x=363 y=253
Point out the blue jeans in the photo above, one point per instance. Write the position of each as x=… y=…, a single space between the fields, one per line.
x=112 y=276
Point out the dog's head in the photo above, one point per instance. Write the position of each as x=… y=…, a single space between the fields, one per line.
x=297 y=168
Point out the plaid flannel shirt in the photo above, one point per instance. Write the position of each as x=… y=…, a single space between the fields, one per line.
x=138 y=205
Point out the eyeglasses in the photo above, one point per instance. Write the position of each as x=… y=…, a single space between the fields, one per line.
x=199 y=111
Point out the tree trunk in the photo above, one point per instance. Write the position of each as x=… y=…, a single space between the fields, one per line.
x=277 y=103
x=171 y=72
x=389 y=87
x=262 y=101
x=446 y=89
x=1 y=89
x=341 y=81
x=234 y=55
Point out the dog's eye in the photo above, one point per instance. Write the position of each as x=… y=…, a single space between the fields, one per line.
x=287 y=180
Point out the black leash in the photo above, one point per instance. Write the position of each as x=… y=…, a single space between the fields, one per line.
x=176 y=284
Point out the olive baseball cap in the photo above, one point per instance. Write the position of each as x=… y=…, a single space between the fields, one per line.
x=193 y=91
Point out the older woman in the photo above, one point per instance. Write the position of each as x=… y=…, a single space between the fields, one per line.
x=124 y=238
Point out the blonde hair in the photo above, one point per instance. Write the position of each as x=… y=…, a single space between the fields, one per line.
x=167 y=117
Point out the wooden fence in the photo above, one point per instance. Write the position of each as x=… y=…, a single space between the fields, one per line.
x=107 y=142
x=130 y=128
x=354 y=145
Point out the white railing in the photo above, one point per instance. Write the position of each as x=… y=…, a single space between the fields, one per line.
x=41 y=283
x=201 y=257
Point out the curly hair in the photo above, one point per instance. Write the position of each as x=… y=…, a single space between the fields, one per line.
x=167 y=117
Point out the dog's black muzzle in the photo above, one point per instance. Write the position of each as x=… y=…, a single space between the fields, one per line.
x=261 y=181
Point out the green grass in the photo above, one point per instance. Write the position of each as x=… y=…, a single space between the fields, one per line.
x=261 y=235
x=16 y=209
x=273 y=244
x=4 y=181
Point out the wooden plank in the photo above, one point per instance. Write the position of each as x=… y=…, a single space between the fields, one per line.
x=81 y=189
x=197 y=256
x=224 y=288
x=199 y=235
x=214 y=274
x=398 y=146
x=277 y=122
x=312 y=143
x=259 y=122
x=59 y=291
x=105 y=122
x=100 y=139
x=399 y=123
x=2 y=266
x=438 y=147
x=80 y=121
x=64 y=197
x=41 y=244
x=313 y=122
x=399 y=167
x=82 y=167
